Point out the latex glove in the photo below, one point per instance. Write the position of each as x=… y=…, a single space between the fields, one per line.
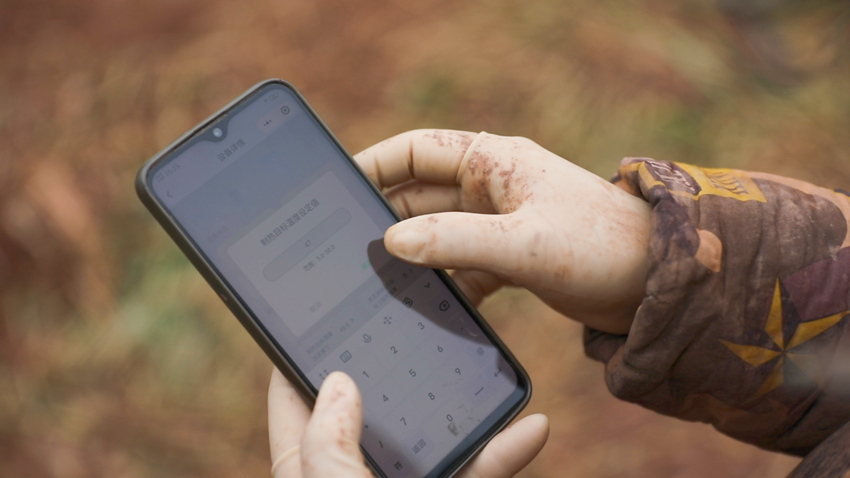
x=519 y=213
x=325 y=443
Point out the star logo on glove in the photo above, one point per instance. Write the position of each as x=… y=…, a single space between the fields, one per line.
x=784 y=351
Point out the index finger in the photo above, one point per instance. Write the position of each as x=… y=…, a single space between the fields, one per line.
x=431 y=155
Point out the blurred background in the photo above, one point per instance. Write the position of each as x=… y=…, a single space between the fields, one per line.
x=115 y=357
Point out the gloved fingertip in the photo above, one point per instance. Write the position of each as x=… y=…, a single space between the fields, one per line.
x=535 y=427
x=405 y=241
x=338 y=388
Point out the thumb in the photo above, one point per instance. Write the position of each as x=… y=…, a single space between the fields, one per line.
x=330 y=444
x=459 y=240
x=511 y=450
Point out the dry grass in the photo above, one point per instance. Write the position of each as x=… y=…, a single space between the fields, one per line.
x=115 y=358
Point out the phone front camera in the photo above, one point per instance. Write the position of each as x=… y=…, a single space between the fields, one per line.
x=218 y=133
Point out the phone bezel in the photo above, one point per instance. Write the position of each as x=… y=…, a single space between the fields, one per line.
x=253 y=325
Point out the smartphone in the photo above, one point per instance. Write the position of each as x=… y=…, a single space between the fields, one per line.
x=286 y=228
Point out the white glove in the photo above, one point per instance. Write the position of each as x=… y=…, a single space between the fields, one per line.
x=325 y=444
x=517 y=212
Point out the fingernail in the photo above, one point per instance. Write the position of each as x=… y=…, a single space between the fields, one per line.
x=404 y=242
x=335 y=388
x=334 y=381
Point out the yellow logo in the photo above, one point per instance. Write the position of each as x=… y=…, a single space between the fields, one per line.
x=691 y=181
x=756 y=356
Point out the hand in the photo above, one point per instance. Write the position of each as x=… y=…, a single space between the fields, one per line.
x=520 y=214
x=326 y=443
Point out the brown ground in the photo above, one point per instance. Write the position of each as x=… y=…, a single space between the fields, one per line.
x=115 y=358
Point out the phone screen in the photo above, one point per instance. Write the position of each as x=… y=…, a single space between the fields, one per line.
x=274 y=207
